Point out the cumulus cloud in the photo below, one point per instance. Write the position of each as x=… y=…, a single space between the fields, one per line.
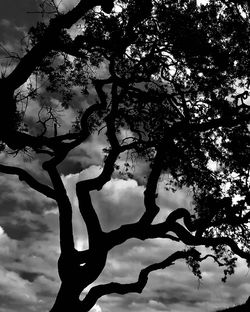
x=28 y=276
x=119 y=202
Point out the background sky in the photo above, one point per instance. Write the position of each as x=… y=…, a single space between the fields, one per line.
x=29 y=224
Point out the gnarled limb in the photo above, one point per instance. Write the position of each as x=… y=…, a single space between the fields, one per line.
x=142 y=232
x=98 y=291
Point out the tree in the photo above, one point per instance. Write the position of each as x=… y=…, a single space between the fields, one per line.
x=184 y=105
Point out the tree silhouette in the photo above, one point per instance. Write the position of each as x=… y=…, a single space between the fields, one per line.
x=176 y=75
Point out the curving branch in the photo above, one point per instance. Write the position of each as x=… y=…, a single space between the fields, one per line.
x=89 y=215
x=182 y=232
x=170 y=225
x=23 y=175
x=214 y=258
x=105 y=289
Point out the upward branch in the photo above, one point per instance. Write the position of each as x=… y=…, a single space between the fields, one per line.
x=65 y=211
x=83 y=188
x=150 y=193
x=89 y=215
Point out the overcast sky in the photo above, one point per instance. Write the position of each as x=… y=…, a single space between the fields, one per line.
x=29 y=226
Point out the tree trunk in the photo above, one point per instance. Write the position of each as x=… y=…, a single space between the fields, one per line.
x=67 y=299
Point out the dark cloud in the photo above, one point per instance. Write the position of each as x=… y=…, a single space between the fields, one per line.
x=6 y=207
x=69 y=167
x=17 y=11
x=29 y=276
x=19 y=230
x=15 y=14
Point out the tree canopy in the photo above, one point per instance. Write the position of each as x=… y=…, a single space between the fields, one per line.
x=175 y=76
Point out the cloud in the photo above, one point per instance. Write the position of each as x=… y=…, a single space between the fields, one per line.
x=16 y=288
x=13 y=288
x=119 y=202
x=29 y=244
x=28 y=276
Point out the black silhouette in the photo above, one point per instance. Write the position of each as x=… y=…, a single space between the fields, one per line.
x=177 y=77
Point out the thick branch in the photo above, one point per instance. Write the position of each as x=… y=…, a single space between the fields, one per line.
x=89 y=215
x=31 y=181
x=136 y=230
x=150 y=193
x=19 y=140
x=170 y=225
x=65 y=212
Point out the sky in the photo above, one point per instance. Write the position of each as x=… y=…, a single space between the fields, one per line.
x=29 y=246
